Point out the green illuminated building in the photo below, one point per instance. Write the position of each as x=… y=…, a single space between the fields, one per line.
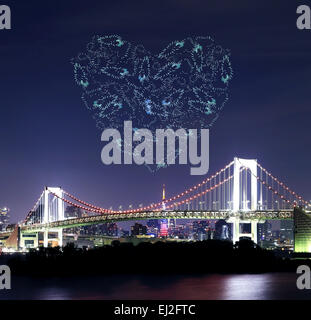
x=302 y=232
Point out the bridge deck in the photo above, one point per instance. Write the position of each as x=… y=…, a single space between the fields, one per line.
x=174 y=214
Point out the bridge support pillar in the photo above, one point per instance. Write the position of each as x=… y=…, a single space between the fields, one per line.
x=29 y=240
x=60 y=237
x=254 y=230
x=235 y=230
x=45 y=238
x=236 y=234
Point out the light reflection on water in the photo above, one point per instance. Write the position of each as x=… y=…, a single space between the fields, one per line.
x=244 y=287
x=208 y=287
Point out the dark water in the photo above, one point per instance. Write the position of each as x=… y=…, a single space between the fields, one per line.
x=232 y=287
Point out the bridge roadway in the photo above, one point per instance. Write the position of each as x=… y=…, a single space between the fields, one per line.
x=243 y=216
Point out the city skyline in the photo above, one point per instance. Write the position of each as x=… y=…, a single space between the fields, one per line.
x=49 y=138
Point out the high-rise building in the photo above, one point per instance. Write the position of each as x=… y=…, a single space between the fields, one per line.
x=4 y=217
x=265 y=230
x=124 y=233
x=222 y=230
x=138 y=229
x=286 y=231
x=104 y=229
x=73 y=212
x=163 y=228
x=265 y=235
x=153 y=223
x=200 y=229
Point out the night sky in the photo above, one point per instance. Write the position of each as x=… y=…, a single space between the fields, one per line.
x=48 y=137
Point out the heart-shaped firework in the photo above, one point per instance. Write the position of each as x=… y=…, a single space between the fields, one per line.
x=184 y=86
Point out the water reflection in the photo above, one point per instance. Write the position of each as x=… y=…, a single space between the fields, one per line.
x=208 y=287
x=53 y=293
x=248 y=287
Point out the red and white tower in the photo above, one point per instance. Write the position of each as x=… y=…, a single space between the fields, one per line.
x=164 y=222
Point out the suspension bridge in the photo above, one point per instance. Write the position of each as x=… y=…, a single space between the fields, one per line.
x=241 y=192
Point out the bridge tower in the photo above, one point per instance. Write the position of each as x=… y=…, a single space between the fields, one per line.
x=53 y=209
x=49 y=208
x=250 y=164
x=238 y=190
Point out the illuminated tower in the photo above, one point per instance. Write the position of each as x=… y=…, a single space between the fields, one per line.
x=164 y=222
x=163 y=198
